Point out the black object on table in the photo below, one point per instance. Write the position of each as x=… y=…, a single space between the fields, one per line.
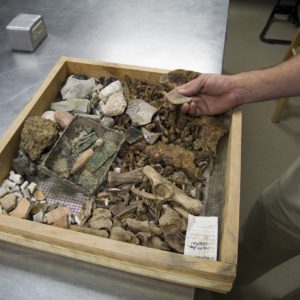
x=283 y=8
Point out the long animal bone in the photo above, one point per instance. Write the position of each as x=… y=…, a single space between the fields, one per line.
x=116 y=179
x=165 y=189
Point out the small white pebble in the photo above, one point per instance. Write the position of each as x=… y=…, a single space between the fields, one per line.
x=17 y=178
x=77 y=219
x=24 y=185
x=117 y=169
x=32 y=187
x=18 y=195
x=8 y=183
x=106 y=202
x=3 y=191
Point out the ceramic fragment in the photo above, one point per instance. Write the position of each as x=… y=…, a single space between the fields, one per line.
x=62 y=222
x=140 y=112
x=175 y=98
x=133 y=135
x=57 y=213
x=77 y=88
x=8 y=202
x=150 y=137
x=63 y=118
x=22 y=210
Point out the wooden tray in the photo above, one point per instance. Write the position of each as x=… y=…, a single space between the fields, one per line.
x=212 y=275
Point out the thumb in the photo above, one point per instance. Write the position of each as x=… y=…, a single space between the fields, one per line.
x=191 y=88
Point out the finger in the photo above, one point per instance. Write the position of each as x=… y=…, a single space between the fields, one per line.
x=185 y=108
x=191 y=88
x=192 y=110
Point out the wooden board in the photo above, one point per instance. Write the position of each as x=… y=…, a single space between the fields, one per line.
x=216 y=276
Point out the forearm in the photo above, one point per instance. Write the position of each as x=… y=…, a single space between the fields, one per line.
x=276 y=82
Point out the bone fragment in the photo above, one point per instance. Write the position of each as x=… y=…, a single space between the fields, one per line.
x=97 y=232
x=116 y=179
x=146 y=226
x=165 y=189
x=120 y=234
x=81 y=160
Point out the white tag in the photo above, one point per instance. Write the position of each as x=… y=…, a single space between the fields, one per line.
x=202 y=237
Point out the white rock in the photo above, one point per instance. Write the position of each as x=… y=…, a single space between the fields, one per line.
x=3 y=191
x=32 y=187
x=48 y=115
x=140 y=112
x=38 y=217
x=107 y=122
x=78 y=88
x=75 y=105
x=8 y=183
x=24 y=185
x=114 y=106
x=26 y=193
x=112 y=88
x=17 y=178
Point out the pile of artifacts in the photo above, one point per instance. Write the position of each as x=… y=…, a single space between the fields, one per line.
x=117 y=141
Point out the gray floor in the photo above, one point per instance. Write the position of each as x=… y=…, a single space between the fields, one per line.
x=267 y=149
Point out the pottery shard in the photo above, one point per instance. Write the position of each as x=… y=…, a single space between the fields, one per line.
x=173 y=155
x=175 y=98
x=63 y=118
x=62 y=222
x=112 y=101
x=78 y=88
x=8 y=202
x=56 y=214
x=22 y=210
x=38 y=135
x=140 y=112
x=101 y=219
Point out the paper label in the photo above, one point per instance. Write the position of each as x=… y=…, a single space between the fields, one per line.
x=202 y=237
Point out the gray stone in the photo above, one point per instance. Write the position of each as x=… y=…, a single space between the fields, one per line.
x=140 y=112
x=76 y=105
x=107 y=122
x=150 y=137
x=78 y=88
x=133 y=135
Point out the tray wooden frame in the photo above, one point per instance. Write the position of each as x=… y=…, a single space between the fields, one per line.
x=212 y=275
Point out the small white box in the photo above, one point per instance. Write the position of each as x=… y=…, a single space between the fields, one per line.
x=26 y=31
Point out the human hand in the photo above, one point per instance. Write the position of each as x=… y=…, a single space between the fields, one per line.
x=211 y=94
